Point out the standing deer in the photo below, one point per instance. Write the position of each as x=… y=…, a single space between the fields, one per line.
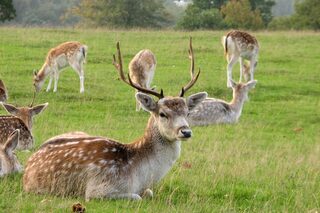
x=239 y=45
x=99 y=167
x=3 y=92
x=72 y=54
x=141 y=70
x=8 y=160
x=21 y=118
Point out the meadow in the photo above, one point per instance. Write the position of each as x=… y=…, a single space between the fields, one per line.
x=268 y=162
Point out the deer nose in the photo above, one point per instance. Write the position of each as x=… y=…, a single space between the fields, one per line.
x=187 y=133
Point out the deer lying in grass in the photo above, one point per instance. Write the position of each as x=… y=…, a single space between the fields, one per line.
x=3 y=92
x=141 y=70
x=99 y=167
x=216 y=111
x=21 y=118
x=8 y=160
x=240 y=45
x=66 y=54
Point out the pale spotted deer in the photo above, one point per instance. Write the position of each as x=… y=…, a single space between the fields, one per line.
x=21 y=118
x=141 y=70
x=8 y=160
x=3 y=92
x=216 y=111
x=239 y=45
x=71 y=54
x=99 y=167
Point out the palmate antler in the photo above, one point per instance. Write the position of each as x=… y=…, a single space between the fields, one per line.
x=119 y=67
x=193 y=77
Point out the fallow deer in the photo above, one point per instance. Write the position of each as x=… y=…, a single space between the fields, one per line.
x=216 y=111
x=21 y=118
x=8 y=160
x=239 y=45
x=99 y=167
x=141 y=70
x=70 y=53
x=3 y=92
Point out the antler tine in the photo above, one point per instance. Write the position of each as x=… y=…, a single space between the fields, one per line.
x=191 y=57
x=119 y=67
x=193 y=77
x=34 y=97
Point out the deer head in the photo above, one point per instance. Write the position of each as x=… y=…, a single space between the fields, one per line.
x=169 y=113
x=26 y=114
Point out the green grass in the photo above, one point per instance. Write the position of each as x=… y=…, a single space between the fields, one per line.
x=268 y=162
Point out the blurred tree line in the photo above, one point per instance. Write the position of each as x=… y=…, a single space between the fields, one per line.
x=196 y=14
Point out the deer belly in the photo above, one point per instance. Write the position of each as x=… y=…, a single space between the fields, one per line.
x=62 y=62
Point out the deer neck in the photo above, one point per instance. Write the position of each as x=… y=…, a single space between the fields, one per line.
x=44 y=71
x=152 y=140
x=5 y=167
x=237 y=102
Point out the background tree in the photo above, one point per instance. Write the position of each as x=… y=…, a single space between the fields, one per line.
x=307 y=15
x=122 y=13
x=7 y=11
x=265 y=8
x=238 y=14
x=43 y=12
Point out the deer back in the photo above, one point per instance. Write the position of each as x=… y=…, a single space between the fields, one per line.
x=142 y=68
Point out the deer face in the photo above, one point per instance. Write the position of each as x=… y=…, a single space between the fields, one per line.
x=241 y=90
x=37 y=82
x=25 y=113
x=8 y=160
x=170 y=114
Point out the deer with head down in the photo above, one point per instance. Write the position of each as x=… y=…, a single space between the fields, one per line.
x=71 y=54
x=8 y=160
x=21 y=118
x=99 y=167
x=239 y=45
x=141 y=70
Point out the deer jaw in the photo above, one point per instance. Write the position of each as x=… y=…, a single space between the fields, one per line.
x=3 y=92
x=8 y=160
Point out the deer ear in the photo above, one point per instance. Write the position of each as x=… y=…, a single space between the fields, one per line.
x=146 y=101
x=12 y=141
x=251 y=84
x=10 y=108
x=39 y=108
x=195 y=99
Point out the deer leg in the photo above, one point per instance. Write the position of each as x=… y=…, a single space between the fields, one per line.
x=50 y=82
x=253 y=64
x=241 y=68
x=232 y=61
x=78 y=68
x=56 y=79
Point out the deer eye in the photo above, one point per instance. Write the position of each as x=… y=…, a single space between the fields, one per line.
x=162 y=115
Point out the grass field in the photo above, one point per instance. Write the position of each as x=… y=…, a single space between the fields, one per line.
x=268 y=162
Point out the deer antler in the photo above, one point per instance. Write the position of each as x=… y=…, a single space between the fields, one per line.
x=119 y=67
x=34 y=97
x=193 y=77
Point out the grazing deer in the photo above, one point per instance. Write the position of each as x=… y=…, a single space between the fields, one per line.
x=21 y=118
x=3 y=92
x=8 y=160
x=216 y=111
x=66 y=54
x=141 y=70
x=240 y=45
x=99 y=167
